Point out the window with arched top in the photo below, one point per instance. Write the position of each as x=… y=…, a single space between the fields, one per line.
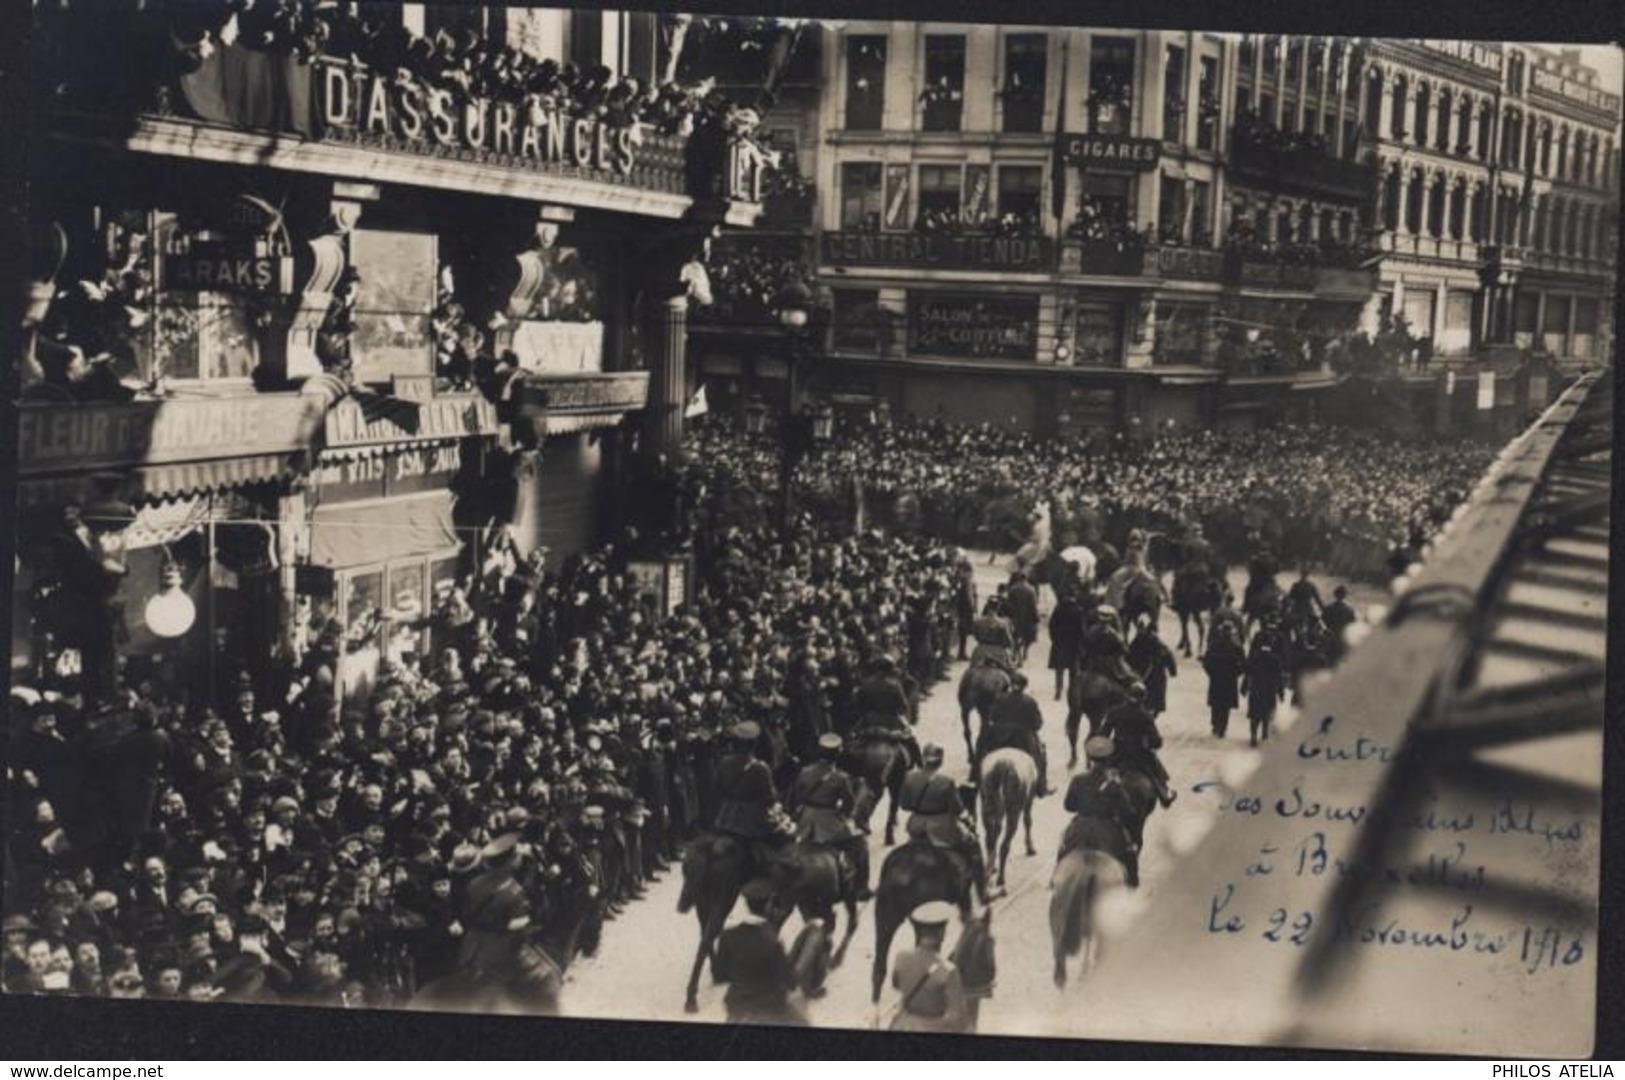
x=1546 y=150
x=1415 y=198
x=1464 y=124
x=1486 y=133
x=1479 y=210
x=1390 y=201
x=1424 y=110
x=1563 y=152
x=1402 y=97
x=1537 y=237
x=1442 y=135
x=1458 y=209
x=1373 y=103
x=1436 y=208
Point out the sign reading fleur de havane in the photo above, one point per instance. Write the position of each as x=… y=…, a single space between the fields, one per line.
x=364 y=102
x=1120 y=151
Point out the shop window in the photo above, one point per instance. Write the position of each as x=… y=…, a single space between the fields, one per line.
x=1099 y=334
x=1111 y=85
x=1585 y=328
x=363 y=609
x=857 y=320
x=1555 y=325
x=1173 y=94
x=1020 y=196
x=1181 y=329
x=1458 y=323
x=943 y=98
x=1025 y=63
x=395 y=298
x=1525 y=318
x=939 y=197
x=865 y=82
x=861 y=195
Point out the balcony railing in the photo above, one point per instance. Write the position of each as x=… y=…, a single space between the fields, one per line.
x=1301 y=168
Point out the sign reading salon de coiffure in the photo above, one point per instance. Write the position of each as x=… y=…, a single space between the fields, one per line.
x=361 y=102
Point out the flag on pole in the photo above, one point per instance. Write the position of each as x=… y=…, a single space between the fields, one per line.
x=697 y=405
x=1057 y=169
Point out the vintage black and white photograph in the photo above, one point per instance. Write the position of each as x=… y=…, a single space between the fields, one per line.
x=1029 y=530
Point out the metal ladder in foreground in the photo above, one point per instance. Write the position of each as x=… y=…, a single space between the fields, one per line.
x=1413 y=865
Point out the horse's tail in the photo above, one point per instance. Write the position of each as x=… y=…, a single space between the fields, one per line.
x=696 y=870
x=1070 y=908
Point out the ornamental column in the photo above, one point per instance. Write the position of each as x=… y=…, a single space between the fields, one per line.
x=667 y=354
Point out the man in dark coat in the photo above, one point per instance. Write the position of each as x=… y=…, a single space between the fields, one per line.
x=1224 y=663
x=1021 y=601
x=1101 y=814
x=937 y=816
x=826 y=796
x=1151 y=658
x=751 y=960
x=1065 y=639
x=1264 y=683
x=1339 y=617
x=882 y=706
x=1134 y=731
x=1015 y=721
x=746 y=795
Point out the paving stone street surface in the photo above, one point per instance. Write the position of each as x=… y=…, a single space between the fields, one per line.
x=643 y=962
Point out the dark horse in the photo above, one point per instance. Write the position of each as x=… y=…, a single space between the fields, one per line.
x=979 y=688
x=1261 y=600
x=1093 y=695
x=715 y=868
x=813 y=887
x=1198 y=591
x=881 y=764
x=1142 y=596
x=916 y=873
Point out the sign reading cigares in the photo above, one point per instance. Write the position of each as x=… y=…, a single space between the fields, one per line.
x=999 y=328
x=1115 y=151
x=361 y=103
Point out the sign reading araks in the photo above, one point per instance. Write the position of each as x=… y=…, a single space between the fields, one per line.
x=365 y=102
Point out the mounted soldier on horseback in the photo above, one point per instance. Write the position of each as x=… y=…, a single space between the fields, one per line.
x=826 y=797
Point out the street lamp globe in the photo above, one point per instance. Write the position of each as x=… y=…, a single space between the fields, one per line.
x=170 y=613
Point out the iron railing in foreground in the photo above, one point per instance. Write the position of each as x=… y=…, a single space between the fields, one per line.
x=1413 y=864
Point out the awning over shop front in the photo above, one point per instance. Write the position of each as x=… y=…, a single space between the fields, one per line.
x=154 y=482
x=378 y=531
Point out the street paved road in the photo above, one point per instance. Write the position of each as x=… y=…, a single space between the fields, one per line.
x=642 y=965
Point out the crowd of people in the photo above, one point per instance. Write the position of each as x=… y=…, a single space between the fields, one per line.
x=280 y=844
x=1341 y=497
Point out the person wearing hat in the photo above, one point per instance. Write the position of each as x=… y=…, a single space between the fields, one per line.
x=1264 y=682
x=1133 y=729
x=882 y=708
x=827 y=798
x=745 y=793
x=495 y=912
x=937 y=815
x=995 y=637
x=1021 y=601
x=1014 y=722
x=1338 y=617
x=933 y=991
x=751 y=960
x=1103 y=818
x=1154 y=662
x=1224 y=661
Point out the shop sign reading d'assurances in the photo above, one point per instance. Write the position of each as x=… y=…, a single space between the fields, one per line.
x=978 y=327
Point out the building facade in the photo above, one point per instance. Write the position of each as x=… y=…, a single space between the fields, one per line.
x=320 y=319
x=1089 y=229
x=1499 y=195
